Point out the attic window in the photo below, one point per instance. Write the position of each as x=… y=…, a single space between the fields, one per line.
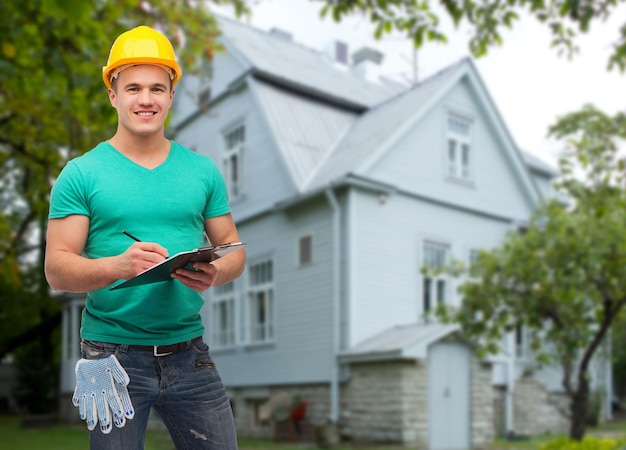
x=305 y=250
x=204 y=97
x=459 y=158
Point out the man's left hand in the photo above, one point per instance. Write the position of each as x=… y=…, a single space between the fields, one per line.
x=200 y=279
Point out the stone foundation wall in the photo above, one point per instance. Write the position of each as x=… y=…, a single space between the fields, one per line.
x=382 y=402
x=483 y=421
x=386 y=402
x=537 y=411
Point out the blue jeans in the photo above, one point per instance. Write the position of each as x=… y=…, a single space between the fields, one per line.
x=185 y=390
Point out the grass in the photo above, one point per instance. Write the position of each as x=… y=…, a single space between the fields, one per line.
x=74 y=437
x=60 y=436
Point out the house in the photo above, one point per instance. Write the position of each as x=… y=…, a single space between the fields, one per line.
x=344 y=186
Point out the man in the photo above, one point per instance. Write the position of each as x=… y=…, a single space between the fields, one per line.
x=140 y=182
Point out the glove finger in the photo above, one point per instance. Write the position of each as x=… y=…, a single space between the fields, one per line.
x=78 y=392
x=92 y=413
x=118 y=372
x=124 y=396
x=75 y=397
x=104 y=412
x=82 y=406
x=115 y=403
x=120 y=421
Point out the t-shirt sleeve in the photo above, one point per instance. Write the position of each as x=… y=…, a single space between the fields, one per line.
x=217 y=204
x=68 y=194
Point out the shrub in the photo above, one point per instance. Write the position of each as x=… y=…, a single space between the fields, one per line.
x=588 y=443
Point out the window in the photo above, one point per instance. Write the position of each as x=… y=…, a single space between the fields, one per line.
x=261 y=302
x=521 y=344
x=474 y=254
x=459 y=158
x=435 y=287
x=233 y=154
x=305 y=250
x=204 y=97
x=223 y=315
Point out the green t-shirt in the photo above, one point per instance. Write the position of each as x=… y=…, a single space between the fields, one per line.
x=166 y=205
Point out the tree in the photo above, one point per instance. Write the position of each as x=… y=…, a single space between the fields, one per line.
x=53 y=107
x=418 y=20
x=563 y=278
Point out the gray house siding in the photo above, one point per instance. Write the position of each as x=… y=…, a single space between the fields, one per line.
x=266 y=179
x=417 y=163
x=365 y=173
x=301 y=350
x=386 y=257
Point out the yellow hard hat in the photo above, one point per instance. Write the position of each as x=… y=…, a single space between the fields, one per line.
x=141 y=45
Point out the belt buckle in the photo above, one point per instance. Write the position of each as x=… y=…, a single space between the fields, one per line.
x=156 y=353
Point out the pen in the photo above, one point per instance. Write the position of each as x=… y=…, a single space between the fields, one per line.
x=131 y=236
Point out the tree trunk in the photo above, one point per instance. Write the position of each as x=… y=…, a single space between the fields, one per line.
x=579 y=406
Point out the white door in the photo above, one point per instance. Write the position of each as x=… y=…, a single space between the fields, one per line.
x=449 y=396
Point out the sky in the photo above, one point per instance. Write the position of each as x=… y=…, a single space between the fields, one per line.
x=529 y=82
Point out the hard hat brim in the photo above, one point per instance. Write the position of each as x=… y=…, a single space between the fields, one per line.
x=106 y=70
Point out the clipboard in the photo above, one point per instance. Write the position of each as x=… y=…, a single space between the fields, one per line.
x=162 y=271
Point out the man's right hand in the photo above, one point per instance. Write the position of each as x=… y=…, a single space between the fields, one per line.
x=139 y=257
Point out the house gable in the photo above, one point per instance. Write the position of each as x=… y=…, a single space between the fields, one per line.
x=414 y=122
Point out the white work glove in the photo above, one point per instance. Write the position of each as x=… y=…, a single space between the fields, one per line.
x=100 y=390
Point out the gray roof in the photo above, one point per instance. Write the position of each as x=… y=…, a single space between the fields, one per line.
x=291 y=64
x=305 y=131
x=538 y=165
x=328 y=122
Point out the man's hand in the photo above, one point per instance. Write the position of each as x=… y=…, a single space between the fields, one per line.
x=200 y=279
x=139 y=257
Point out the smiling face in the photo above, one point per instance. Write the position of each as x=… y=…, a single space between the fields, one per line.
x=142 y=96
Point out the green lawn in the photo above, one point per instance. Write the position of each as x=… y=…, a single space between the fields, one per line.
x=60 y=437
x=74 y=437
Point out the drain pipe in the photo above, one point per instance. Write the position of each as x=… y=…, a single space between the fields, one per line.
x=334 y=383
x=510 y=385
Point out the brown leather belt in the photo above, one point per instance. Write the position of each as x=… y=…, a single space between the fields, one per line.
x=164 y=350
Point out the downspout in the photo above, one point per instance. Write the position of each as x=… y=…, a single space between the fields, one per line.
x=334 y=381
x=510 y=384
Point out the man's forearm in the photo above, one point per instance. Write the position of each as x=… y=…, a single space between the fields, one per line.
x=229 y=267
x=74 y=273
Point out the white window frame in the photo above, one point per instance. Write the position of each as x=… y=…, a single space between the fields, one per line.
x=435 y=287
x=260 y=311
x=223 y=316
x=520 y=334
x=459 y=148
x=234 y=139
